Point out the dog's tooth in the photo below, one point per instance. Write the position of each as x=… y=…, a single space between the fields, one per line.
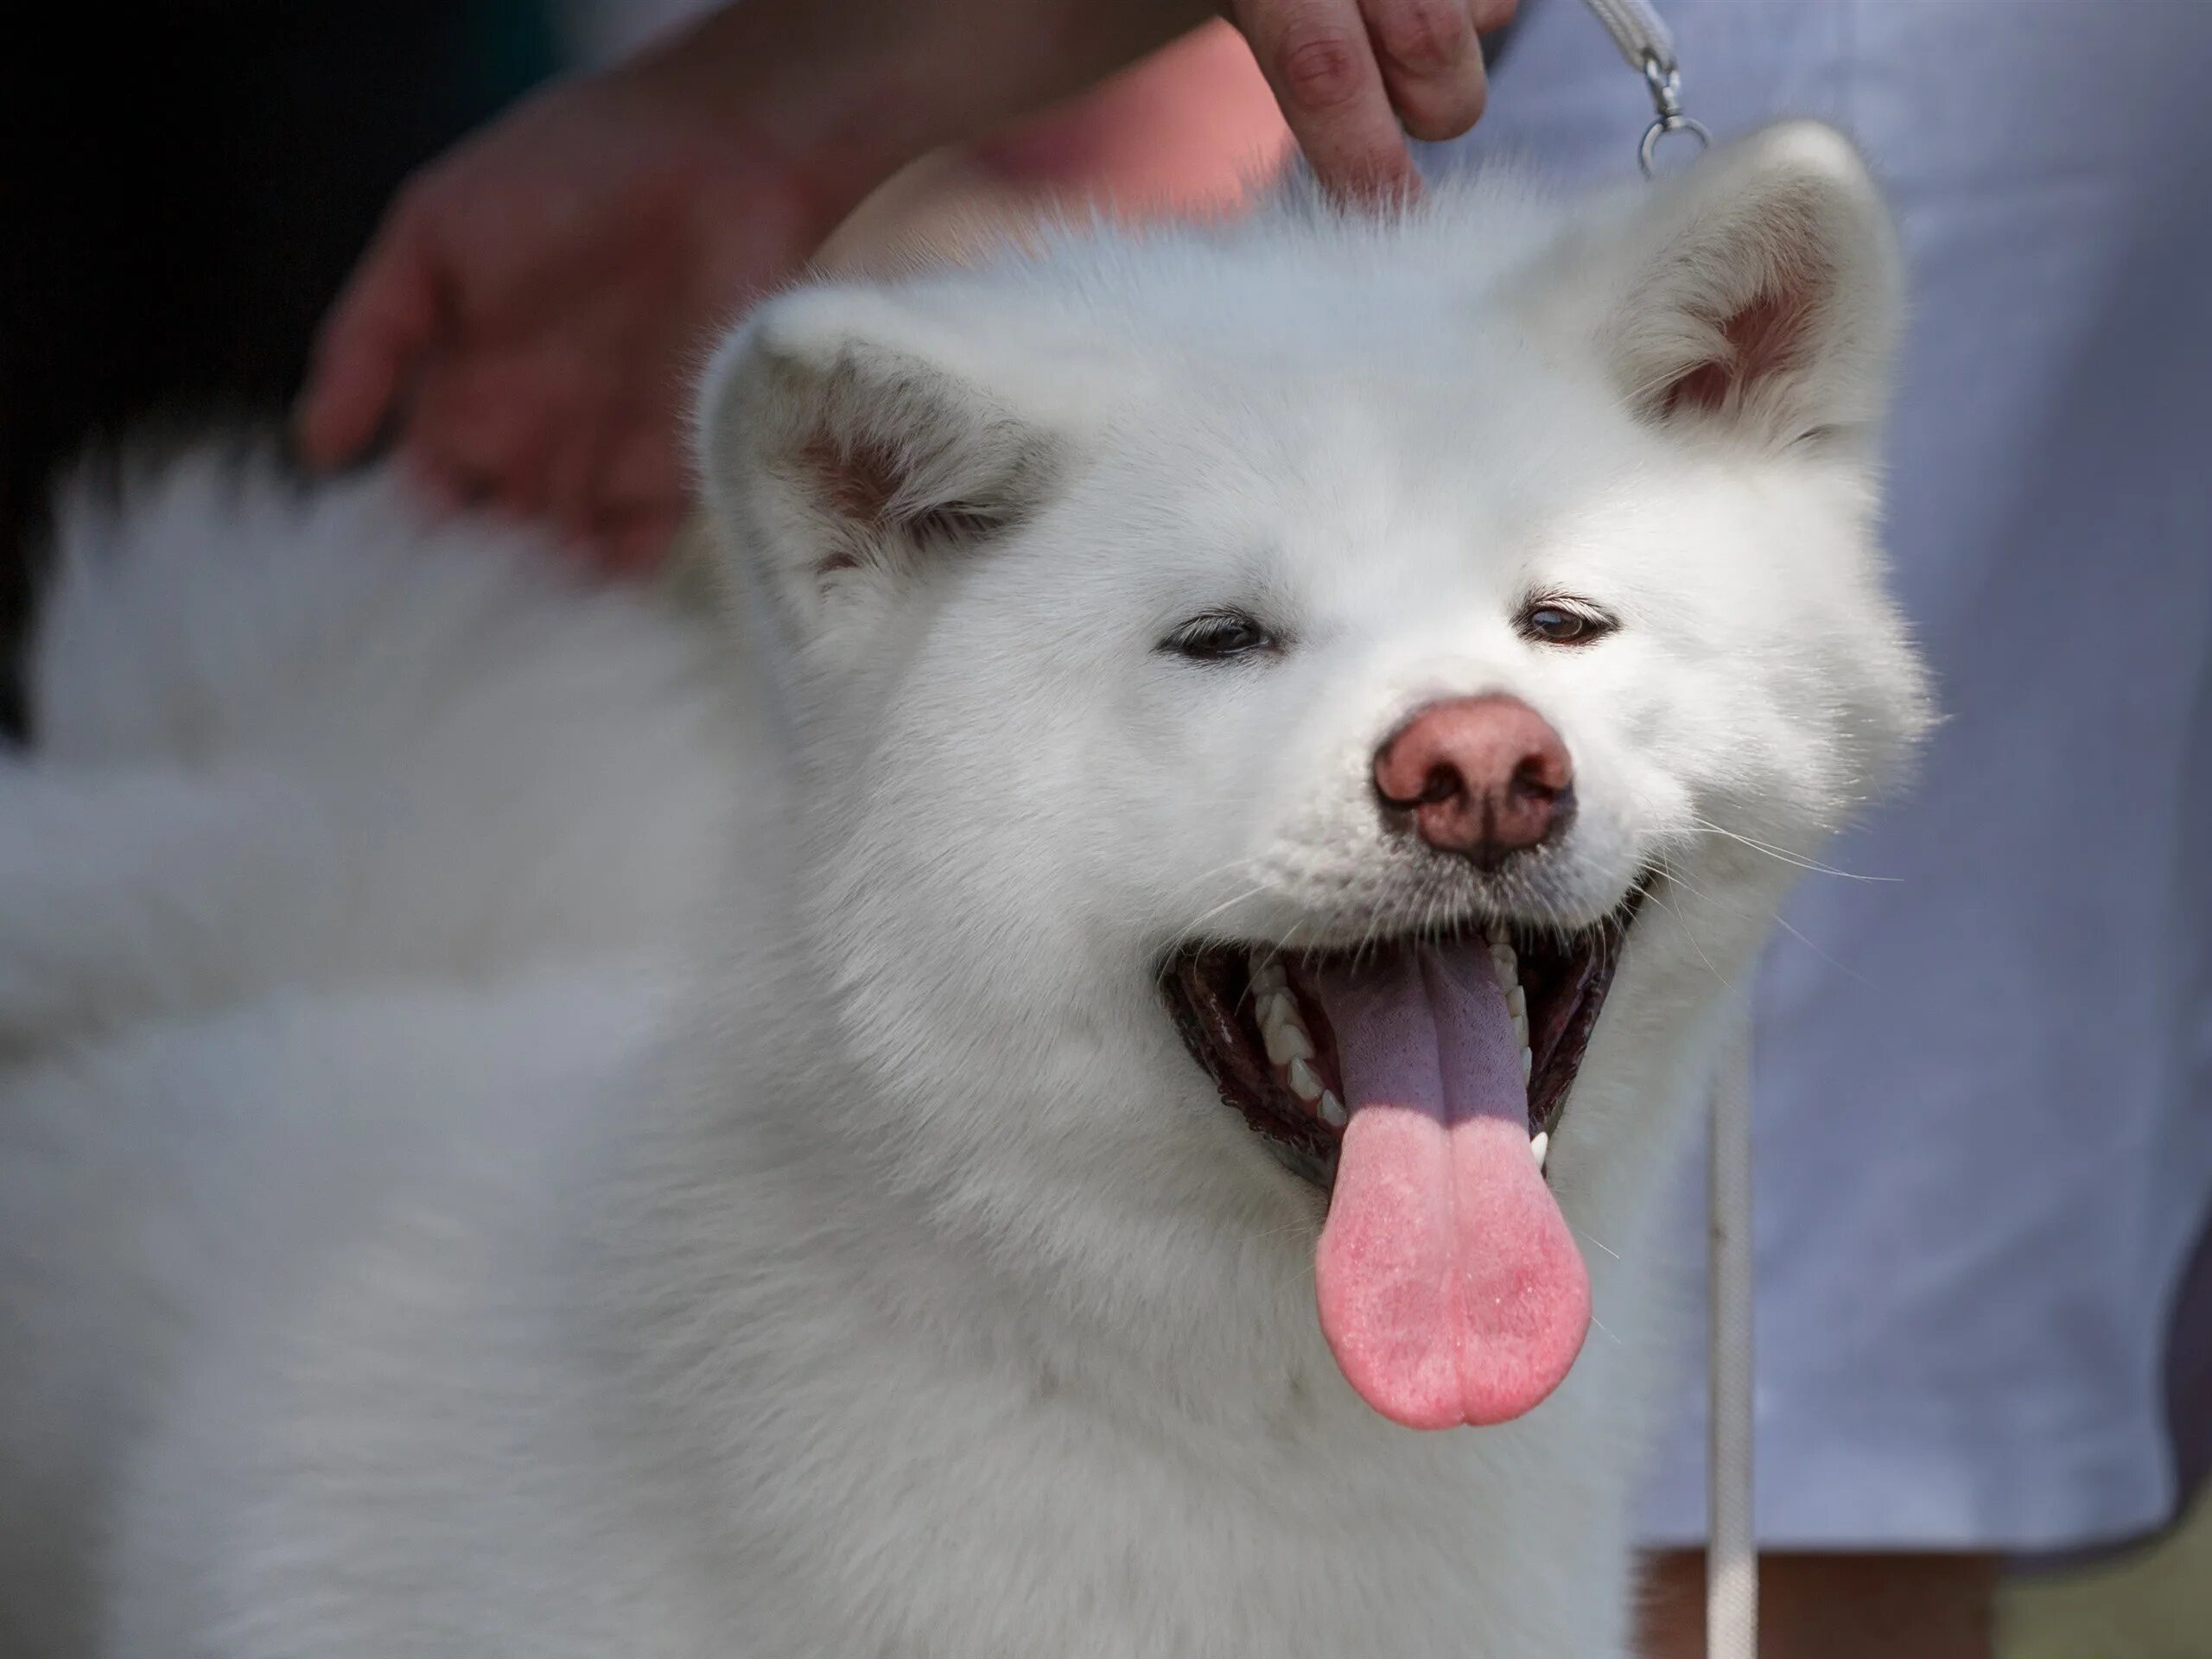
x=1287 y=1041
x=1539 y=1144
x=1284 y=1009
x=1268 y=974
x=1332 y=1110
x=1520 y=1028
x=1517 y=1000
x=1528 y=1065
x=1305 y=1082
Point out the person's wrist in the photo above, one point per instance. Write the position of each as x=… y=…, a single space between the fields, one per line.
x=833 y=122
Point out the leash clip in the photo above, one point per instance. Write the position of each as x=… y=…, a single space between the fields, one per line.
x=1647 y=45
x=1665 y=82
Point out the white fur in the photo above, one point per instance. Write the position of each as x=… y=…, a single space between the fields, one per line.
x=418 y=1237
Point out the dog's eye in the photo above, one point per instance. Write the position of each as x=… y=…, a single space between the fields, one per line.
x=1217 y=636
x=1560 y=622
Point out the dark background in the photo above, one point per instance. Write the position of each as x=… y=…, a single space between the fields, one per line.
x=184 y=187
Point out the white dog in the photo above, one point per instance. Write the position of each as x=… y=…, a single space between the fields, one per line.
x=1270 y=747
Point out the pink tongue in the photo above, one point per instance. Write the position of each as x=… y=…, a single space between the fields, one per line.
x=1451 y=1291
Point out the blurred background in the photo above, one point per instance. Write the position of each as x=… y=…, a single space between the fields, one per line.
x=187 y=186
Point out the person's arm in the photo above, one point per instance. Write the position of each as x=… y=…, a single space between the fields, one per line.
x=1932 y=1606
x=1191 y=131
x=855 y=92
x=850 y=93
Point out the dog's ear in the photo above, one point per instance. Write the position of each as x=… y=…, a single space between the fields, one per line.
x=1757 y=294
x=849 y=440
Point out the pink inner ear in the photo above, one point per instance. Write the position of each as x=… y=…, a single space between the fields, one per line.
x=854 y=482
x=1762 y=337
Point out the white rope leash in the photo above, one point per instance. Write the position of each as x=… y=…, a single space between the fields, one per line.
x=1731 y=1577
x=1641 y=32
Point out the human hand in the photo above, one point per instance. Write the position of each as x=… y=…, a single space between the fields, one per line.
x=1355 y=77
x=526 y=322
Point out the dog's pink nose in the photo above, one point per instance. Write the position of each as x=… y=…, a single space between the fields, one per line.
x=1482 y=776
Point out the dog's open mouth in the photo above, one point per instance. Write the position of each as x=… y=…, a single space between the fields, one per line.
x=1418 y=1082
x=1254 y=1018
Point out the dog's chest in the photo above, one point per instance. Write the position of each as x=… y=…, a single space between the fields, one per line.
x=1064 y=1540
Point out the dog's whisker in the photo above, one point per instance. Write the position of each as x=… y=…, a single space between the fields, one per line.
x=1781 y=922
x=1783 y=855
x=1590 y=1238
x=1682 y=922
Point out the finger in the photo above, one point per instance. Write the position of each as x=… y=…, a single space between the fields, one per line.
x=635 y=544
x=383 y=321
x=632 y=477
x=446 y=490
x=644 y=469
x=492 y=424
x=1431 y=63
x=1317 y=58
x=574 y=470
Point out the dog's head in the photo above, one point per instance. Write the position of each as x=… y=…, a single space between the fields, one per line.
x=1253 y=690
